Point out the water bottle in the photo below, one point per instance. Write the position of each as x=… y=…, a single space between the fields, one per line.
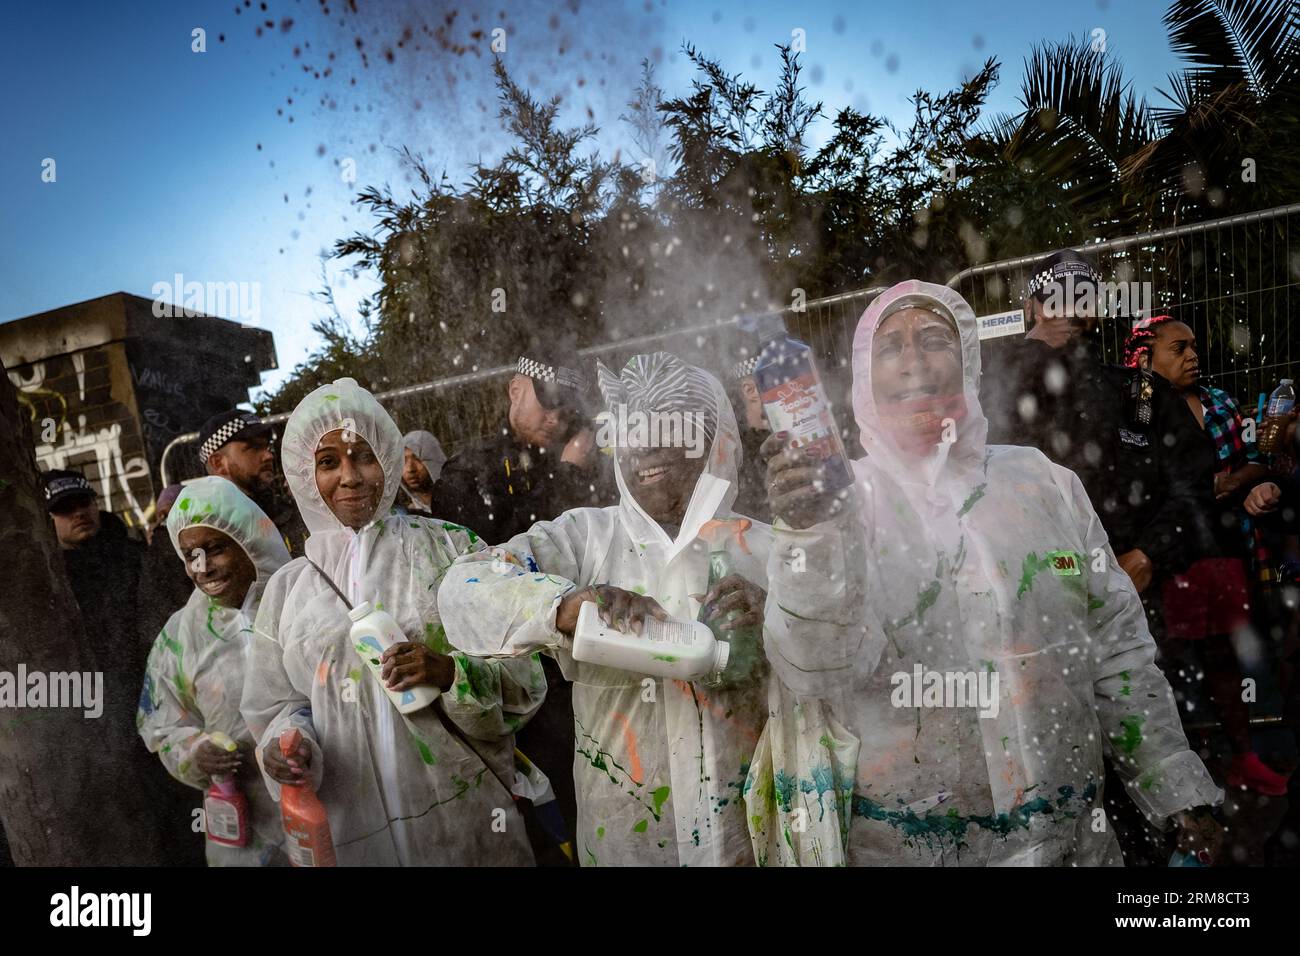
x=1282 y=400
x=794 y=401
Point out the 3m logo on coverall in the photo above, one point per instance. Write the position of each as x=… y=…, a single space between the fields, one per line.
x=1065 y=562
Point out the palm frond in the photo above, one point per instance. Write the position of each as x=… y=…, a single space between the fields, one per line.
x=1230 y=41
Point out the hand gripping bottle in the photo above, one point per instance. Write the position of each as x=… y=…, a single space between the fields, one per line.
x=307 y=837
x=373 y=632
x=685 y=650
x=1282 y=400
x=745 y=646
x=225 y=809
x=794 y=401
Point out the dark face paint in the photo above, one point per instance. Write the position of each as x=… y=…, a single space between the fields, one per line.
x=661 y=480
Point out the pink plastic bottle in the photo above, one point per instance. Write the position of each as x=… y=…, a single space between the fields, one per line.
x=306 y=825
x=225 y=809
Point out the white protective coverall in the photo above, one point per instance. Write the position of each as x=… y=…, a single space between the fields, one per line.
x=417 y=790
x=659 y=763
x=977 y=560
x=195 y=675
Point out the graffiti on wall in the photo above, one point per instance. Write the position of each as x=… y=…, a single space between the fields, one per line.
x=60 y=400
x=104 y=447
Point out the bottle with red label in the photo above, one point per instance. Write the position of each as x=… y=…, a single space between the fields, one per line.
x=225 y=809
x=794 y=401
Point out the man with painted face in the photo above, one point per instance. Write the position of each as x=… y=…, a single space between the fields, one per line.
x=239 y=446
x=986 y=566
x=658 y=763
x=1133 y=443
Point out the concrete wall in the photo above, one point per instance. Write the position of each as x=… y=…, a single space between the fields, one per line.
x=83 y=416
x=107 y=385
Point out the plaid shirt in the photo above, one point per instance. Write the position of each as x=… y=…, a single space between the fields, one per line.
x=1223 y=423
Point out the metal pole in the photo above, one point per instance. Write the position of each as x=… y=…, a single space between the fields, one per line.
x=1126 y=241
x=469 y=378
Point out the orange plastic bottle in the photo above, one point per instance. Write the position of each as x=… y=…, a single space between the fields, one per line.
x=306 y=825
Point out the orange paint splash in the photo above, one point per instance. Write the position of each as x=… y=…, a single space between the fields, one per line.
x=719 y=712
x=633 y=758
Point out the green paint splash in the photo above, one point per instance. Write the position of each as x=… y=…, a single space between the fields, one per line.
x=1031 y=566
x=969 y=503
x=604 y=761
x=660 y=796
x=952 y=826
x=1131 y=739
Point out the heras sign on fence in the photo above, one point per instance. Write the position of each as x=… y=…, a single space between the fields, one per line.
x=1002 y=323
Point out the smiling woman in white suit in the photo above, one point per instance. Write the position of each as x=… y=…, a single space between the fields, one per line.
x=426 y=789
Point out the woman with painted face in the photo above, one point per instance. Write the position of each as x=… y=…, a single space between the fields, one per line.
x=429 y=788
x=659 y=762
x=195 y=675
x=962 y=635
x=1208 y=607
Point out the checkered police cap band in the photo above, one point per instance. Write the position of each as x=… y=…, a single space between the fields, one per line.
x=745 y=368
x=1059 y=271
x=225 y=433
x=62 y=486
x=558 y=374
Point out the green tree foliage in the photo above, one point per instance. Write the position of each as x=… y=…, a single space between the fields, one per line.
x=728 y=208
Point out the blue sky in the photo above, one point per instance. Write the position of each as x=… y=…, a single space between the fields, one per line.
x=227 y=166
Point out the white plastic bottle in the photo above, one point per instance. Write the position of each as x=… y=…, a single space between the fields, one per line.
x=373 y=632
x=686 y=650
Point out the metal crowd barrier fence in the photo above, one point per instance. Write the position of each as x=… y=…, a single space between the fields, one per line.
x=1235 y=281
x=462 y=408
